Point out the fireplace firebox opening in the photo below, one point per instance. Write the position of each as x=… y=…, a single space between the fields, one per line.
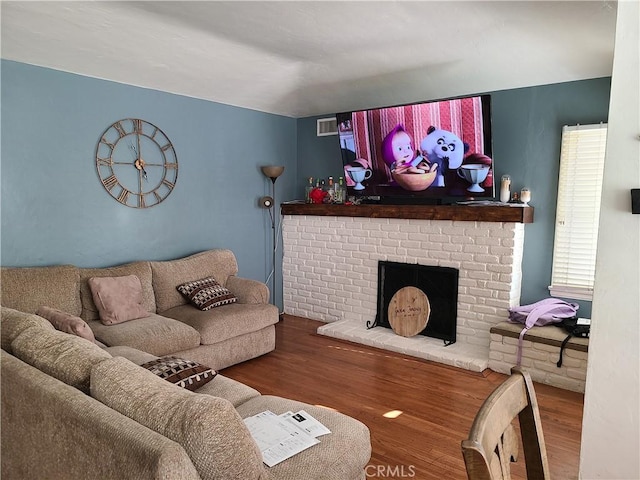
x=438 y=284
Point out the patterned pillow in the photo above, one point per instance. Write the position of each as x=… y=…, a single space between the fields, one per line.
x=206 y=293
x=180 y=372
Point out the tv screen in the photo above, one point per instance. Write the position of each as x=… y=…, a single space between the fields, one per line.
x=428 y=152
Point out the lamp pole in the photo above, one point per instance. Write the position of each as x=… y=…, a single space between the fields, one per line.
x=273 y=240
x=273 y=172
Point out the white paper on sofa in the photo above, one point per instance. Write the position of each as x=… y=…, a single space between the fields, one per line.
x=307 y=423
x=280 y=437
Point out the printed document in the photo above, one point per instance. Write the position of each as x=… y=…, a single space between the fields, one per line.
x=282 y=436
x=307 y=423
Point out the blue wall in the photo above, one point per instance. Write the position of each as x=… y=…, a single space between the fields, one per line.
x=55 y=210
x=526 y=126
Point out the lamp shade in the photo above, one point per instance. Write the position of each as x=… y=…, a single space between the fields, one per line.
x=272 y=171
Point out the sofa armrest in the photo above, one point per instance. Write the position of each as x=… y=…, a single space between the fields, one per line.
x=53 y=430
x=247 y=290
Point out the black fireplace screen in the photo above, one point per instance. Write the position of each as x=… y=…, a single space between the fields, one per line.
x=440 y=284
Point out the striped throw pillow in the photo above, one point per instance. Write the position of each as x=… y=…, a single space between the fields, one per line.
x=183 y=373
x=206 y=293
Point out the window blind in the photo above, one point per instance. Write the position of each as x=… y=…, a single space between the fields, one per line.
x=578 y=210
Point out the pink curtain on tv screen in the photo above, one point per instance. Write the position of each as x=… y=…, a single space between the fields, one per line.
x=462 y=117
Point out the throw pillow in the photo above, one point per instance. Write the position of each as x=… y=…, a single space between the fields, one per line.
x=206 y=293
x=65 y=322
x=118 y=299
x=180 y=372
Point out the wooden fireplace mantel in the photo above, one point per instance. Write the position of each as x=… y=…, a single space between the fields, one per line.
x=476 y=213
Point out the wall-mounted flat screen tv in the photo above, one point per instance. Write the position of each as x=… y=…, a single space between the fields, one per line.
x=427 y=152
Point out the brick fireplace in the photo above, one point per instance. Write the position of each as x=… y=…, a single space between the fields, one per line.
x=330 y=273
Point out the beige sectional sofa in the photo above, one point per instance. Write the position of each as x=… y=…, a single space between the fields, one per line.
x=219 y=337
x=73 y=410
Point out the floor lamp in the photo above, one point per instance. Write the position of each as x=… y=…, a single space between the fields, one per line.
x=272 y=172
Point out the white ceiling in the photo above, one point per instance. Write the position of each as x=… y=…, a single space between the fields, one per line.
x=308 y=58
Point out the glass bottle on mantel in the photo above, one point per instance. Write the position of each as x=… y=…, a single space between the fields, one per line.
x=341 y=192
x=307 y=190
x=323 y=186
x=331 y=191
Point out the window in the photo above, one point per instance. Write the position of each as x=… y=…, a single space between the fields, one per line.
x=578 y=211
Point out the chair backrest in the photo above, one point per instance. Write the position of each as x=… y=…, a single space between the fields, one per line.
x=493 y=442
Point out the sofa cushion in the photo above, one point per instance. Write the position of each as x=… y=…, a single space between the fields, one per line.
x=167 y=275
x=208 y=428
x=206 y=293
x=28 y=288
x=66 y=357
x=142 y=270
x=221 y=386
x=343 y=453
x=118 y=299
x=154 y=334
x=132 y=354
x=14 y=322
x=237 y=393
x=67 y=323
x=183 y=373
x=228 y=321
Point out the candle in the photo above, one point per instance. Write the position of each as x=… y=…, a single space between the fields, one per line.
x=505 y=185
x=525 y=196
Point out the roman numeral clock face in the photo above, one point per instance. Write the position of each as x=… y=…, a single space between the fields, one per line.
x=136 y=163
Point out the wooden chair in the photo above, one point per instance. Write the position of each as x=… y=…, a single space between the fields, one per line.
x=493 y=442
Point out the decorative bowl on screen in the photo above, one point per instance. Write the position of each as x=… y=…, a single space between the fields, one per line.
x=475 y=174
x=414 y=182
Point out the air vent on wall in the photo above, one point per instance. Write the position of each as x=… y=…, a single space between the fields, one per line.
x=327 y=126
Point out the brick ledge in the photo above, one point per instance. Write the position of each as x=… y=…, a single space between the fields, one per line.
x=548 y=335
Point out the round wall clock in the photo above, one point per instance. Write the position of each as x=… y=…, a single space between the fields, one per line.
x=136 y=163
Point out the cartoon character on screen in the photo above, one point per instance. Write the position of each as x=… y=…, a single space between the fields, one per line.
x=397 y=151
x=445 y=149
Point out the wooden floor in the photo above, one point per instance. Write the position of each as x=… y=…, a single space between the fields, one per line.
x=437 y=402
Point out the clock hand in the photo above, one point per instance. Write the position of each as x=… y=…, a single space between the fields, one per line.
x=139 y=164
x=135 y=152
